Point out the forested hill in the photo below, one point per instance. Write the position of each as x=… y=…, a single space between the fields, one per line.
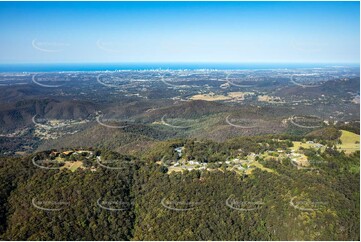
x=121 y=197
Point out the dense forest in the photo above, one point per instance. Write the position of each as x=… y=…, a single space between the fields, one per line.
x=143 y=201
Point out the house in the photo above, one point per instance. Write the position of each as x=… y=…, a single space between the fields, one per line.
x=69 y=152
x=191 y=162
x=179 y=151
x=54 y=153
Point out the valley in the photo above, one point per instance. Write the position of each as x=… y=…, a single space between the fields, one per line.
x=158 y=105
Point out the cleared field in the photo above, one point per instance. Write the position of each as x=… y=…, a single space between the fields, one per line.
x=297 y=145
x=350 y=142
x=260 y=166
x=239 y=95
x=214 y=97
x=175 y=169
x=73 y=166
x=269 y=99
x=210 y=97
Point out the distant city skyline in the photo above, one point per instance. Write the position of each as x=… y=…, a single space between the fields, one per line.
x=179 y=32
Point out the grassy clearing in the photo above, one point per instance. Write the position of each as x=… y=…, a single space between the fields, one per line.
x=59 y=159
x=350 y=142
x=215 y=97
x=260 y=166
x=73 y=166
x=210 y=97
x=175 y=169
x=297 y=145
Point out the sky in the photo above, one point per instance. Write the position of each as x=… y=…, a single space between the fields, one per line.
x=164 y=32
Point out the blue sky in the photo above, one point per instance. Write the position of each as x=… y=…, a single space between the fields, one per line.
x=238 y=32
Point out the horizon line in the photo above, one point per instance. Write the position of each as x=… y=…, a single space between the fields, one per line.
x=174 y=62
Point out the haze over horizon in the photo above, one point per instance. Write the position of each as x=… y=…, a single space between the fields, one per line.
x=179 y=32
